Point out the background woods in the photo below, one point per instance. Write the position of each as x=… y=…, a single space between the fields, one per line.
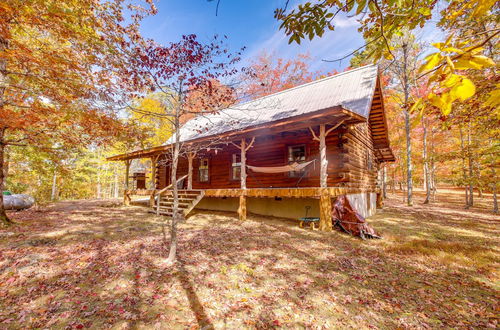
x=73 y=106
x=63 y=70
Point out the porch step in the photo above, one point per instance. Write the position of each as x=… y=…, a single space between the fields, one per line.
x=181 y=204
x=188 y=199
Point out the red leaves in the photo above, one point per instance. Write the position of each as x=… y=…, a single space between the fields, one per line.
x=191 y=69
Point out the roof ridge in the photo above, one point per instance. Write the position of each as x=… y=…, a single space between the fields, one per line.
x=306 y=84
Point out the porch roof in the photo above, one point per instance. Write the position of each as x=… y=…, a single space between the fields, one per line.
x=351 y=90
x=345 y=96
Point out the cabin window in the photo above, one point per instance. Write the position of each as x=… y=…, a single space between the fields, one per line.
x=236 y=167
x=203 y=170
x=296 y=154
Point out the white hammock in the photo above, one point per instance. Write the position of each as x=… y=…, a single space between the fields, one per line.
x=280 y=169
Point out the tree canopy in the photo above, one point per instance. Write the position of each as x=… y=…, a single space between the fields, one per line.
x=383 y=20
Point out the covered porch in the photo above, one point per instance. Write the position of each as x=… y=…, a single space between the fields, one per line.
x=230 y=152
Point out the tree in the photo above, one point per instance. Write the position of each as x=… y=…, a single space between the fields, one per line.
x=402 y=71
x=62 y=68
x=268 y=74
x=185 y=73
x=382 y=20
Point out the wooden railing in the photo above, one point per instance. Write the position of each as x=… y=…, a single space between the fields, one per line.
x=160 y=192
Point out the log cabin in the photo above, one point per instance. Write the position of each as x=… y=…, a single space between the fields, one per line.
x=281 y=154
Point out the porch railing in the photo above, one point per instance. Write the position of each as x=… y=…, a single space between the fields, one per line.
x=161 y=191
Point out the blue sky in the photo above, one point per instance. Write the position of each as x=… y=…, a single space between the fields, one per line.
x=249 y=23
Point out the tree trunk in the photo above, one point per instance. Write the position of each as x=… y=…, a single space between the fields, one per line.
x=53 y=193
x=394 y=180
x=384 y=182
x=494 y=183
x=172 y=253
x=242 y=209
x=471 y=168
x=406 y=86
x=4 y=219
x=464 y=169
x=6 y=162
x=99 y=188
x=190 y=171
x=427 y=181
x=116 y=184
x=433 y=167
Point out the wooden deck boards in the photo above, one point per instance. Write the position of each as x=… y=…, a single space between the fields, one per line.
x=314 y=192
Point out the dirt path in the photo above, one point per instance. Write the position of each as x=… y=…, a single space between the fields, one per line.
x=93 y=264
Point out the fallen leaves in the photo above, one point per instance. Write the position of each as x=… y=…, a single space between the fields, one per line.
x=234 y=275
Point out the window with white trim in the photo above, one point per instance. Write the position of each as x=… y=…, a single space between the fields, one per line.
x=296 y=154
x=203 y=170
x=236 y=167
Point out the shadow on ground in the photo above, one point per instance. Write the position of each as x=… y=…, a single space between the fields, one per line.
x=96 y=264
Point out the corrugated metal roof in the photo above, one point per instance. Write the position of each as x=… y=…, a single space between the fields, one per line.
x=353 y=90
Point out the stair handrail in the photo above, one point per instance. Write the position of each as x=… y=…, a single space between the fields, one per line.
x=159 y=192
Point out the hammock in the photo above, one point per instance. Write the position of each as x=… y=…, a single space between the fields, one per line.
x=280 y=169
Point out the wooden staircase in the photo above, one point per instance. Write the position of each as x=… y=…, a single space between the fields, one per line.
x=188 y=199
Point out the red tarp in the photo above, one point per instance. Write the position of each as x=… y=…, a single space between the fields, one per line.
x=348 y=220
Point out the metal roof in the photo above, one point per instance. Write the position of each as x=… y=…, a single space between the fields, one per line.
x=352 y=90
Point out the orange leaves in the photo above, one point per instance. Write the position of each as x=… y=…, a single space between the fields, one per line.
x=269 y=74
x=66 y=68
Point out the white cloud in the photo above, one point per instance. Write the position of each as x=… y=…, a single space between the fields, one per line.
x=345 y=22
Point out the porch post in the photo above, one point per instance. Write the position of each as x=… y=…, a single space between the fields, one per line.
x=153 y=181
x=325 y=210
x=323 y=175
x=126 y=195
x=243 y=167
x=325 y=207
x=190 y=171
x=325 y=199
x=242 y=210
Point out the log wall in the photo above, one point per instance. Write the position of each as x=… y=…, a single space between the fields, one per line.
x=347 y=150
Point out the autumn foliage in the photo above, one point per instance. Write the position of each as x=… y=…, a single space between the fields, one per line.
x=62 y=65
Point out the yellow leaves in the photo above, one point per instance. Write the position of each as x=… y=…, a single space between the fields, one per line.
x=443 y=102
x=451 y=81
x=494 y=98
x=450 y=62
x=457 y=88
x=416 y=106
x=463 y=90
x=431 y=62
x=482 y=7
x=477 y=62
x=442 y=67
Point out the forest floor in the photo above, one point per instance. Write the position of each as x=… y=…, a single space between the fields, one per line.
x=95 y=264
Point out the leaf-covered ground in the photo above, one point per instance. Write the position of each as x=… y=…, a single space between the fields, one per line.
x=93 y=264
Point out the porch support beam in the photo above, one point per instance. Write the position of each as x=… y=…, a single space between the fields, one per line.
x=323 y=176
x=325 y=211
x=325 y=201
x=154 y=160
x=191 y=156
x=242 y=209
x=126 y=193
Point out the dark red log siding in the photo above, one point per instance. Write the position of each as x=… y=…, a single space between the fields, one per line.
x=272 y=150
